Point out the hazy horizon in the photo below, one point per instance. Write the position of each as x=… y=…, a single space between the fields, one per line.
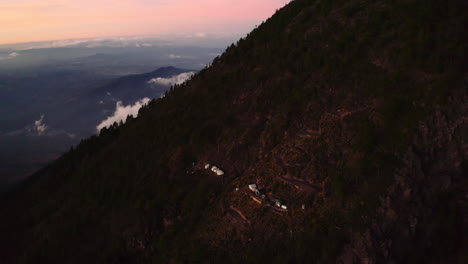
x=197 y=39
x=29 y=21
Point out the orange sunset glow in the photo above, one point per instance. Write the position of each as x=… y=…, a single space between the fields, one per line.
x=40 y=20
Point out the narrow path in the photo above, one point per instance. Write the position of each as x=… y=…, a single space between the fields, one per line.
x=238 y=214
x=301 y=184
x=309 y=133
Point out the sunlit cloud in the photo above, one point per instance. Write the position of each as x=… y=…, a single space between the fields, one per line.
x=40 y=126
x=177 y=79
x=121 y=113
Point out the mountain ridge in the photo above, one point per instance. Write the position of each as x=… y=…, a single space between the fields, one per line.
x=366 y=147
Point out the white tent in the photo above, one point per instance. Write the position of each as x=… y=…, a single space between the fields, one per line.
x=217 y=171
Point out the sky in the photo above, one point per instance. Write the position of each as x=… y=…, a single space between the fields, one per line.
x=43 y=20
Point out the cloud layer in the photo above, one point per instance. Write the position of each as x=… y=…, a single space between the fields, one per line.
x=40 y=126
x=177 y=79
x=121 y=113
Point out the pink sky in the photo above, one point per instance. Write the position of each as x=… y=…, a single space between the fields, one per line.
x=38 y=20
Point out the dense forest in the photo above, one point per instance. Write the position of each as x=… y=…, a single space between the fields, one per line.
x=353 y=113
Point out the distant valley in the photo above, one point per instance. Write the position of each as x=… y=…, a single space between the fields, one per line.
x=51 y=98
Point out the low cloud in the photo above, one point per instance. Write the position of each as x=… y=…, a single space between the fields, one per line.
x=174 y=56
x=39 y=126
x=54 y=44
x=177 y=56
x=176 y=79
x=9 y=56
x=113 y=42
x=121 y=113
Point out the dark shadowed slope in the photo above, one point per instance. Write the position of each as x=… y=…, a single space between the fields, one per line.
x=353 y=113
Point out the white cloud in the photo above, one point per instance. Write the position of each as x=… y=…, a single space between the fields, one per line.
x=174 y=56
x=121 y=113
x=9 y=56
x=53 y=44
x=176 y=79
x=116 y=42
x=40 y=126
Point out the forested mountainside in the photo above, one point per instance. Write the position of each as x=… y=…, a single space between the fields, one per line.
x=352 y=113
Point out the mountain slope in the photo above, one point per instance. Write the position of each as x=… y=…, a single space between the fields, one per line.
x=354 y=113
